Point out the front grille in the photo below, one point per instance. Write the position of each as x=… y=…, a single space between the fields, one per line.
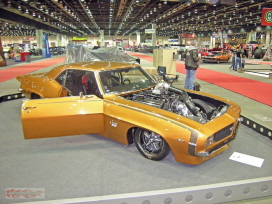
x=221 y=144
x=221 y=134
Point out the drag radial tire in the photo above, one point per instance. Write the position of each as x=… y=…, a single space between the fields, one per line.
x=258 y=54
x=201 y=105
x=151 y=145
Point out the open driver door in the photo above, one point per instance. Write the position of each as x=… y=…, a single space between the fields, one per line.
x=54 y=117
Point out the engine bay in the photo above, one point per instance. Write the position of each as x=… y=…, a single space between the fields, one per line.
x=199 y=108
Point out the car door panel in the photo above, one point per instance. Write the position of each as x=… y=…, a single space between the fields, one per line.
x=43 y=118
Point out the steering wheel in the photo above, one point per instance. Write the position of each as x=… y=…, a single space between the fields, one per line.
x=126 y=81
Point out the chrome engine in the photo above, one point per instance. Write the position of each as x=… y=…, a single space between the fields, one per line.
x=196 y=107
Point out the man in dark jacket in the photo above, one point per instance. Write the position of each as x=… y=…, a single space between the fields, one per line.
x=191 y=64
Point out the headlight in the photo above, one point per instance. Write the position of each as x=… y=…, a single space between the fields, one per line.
x=209 y=141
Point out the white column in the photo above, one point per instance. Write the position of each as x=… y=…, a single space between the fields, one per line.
x=39 y=38
x=102 y=42
x=58 y=39
x=138 y=38
x=154 y=39
x=212 y=42
x=64 y=41
x=268 y=39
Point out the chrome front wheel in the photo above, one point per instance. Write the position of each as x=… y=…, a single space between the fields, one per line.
x=151 y=145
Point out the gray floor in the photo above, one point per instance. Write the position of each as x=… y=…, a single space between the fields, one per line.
x=89 y=165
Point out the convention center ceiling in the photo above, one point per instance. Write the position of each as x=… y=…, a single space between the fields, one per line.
x=126 y=17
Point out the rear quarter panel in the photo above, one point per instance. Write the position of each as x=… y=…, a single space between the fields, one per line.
x=40 y=85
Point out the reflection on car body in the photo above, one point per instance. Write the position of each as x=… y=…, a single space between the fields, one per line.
x=122 y=102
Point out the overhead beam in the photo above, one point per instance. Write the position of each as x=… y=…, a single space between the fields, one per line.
x=11 y=16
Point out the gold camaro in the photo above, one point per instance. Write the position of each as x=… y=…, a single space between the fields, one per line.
x=122 y=102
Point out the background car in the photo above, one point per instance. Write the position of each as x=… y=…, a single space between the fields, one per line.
x=217 y=56
x=122 y=102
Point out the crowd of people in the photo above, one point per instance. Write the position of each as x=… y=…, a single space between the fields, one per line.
x=237 y=59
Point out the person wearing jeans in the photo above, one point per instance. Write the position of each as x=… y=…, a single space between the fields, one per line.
x=238 y=60
x=189 y=80
x=191 y=64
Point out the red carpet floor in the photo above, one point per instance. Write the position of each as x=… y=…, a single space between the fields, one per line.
x=255 y=90
x=26 y=68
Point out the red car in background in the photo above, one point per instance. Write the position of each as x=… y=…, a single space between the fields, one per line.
x=253 y=44
x=204 y=52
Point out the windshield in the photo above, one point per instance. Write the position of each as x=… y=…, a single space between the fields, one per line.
x=125 y=80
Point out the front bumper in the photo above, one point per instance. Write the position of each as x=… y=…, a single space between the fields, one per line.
x=216 y=148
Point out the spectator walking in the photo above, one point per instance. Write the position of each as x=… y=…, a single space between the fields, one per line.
x=233 y=53
x=243 y=61
x=191 y=64
x=238 y=60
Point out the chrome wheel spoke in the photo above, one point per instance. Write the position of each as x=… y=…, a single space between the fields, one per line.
x=151 y=142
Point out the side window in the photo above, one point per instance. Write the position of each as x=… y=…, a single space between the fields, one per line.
x=89 y=84
x=78 y=81
x=61 y=78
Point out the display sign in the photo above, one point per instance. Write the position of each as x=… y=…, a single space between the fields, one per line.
x=216 y=35
x=173 y=40
x=45 y=47
x=28 y=38
x=267 y=17
x=117 y=40
x=206 y=43
x=2 y=57
x=79 y=38
x=188 y=36
x=149 y=30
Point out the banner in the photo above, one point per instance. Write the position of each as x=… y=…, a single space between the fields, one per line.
x=2 y=57
x=74 y=38
x=45 y=47
x=149 y=30
x=267 y=17
x=187 y=36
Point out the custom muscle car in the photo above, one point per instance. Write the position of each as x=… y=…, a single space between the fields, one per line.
x=122 y=102
x=217 y=56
